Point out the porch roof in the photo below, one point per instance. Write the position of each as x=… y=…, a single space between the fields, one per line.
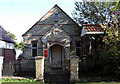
x=92 y=29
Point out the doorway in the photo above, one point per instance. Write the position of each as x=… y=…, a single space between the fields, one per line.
x=57 y=56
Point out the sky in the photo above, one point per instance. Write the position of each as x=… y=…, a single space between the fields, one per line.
x=17 y=16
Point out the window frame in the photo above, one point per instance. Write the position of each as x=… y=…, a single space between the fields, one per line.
x=56 y=17
x=78 y=47
x=34 y=48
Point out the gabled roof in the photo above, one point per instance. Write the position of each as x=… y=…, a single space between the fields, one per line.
x=48 y=20
x=92 y=29
x=4 y=36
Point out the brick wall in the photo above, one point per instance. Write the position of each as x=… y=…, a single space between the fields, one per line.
x=9 y=55
x=1 y=52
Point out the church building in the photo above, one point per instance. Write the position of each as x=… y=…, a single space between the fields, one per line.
x=52 y=47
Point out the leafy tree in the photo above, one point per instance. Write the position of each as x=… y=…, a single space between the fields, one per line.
x=12 y=36
x=17 y=46
x=110 y=57
x=21 y=44
x=109 y=15
x=92 y=12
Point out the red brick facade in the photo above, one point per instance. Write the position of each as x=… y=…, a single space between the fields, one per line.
x=9 y=55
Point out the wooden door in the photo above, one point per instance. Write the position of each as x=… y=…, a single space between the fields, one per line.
x=57 y=56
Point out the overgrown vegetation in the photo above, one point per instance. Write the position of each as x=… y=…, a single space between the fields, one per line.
x=100 y=83
x=17 y=46
x=107 y=14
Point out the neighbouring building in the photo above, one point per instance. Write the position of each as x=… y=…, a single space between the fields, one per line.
x=91 y=44
x=7 y=52
x=6 y=46
x=53 y=47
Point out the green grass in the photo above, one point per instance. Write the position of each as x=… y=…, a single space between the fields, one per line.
x=19 y=81
x=31 y=81
x=100 y=83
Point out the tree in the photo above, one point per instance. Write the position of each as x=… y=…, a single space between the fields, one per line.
x=17 y=46
x=109 y=15
x=110 y=56
x=92 y=12
x=12 y=36
x=21 y=44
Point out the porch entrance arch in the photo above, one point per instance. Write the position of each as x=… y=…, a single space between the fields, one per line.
x=57 y=56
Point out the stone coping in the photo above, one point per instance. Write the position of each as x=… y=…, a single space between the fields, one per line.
x=39 y=57
x=74 y=56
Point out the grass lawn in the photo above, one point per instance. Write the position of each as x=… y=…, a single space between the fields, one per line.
x=100 y=83
x=30 y=81
x=19 y=81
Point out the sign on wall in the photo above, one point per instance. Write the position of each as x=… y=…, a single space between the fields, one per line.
x=45 y=52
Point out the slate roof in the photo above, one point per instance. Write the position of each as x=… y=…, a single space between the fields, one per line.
x=92 y=29
x=4 y=36
x=48 y=20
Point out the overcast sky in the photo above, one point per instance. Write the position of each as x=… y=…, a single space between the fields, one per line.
x=17 y=16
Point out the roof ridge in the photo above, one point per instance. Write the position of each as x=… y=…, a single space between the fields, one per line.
x=46 y=14
x=91 y=24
